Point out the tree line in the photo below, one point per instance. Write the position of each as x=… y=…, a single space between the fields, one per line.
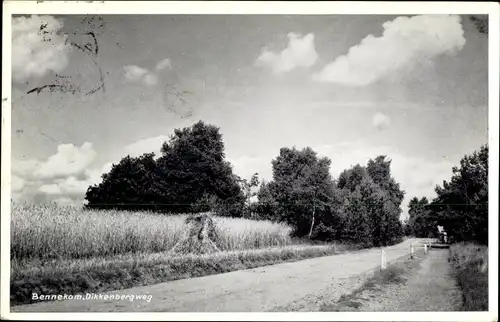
x=461 y=204
x=362 y=205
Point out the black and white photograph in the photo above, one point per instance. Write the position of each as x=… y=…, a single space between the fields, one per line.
x=228 y=160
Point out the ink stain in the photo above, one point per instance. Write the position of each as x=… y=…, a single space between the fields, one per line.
x=89 y=46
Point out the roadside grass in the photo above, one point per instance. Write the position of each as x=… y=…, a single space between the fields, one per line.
x=95 y=275
x=471 y=271
x=393 y=274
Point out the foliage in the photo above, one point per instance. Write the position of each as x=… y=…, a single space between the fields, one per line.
x=190 y=176
x=421 y=222
x=461 y=205
x=362 y=206
x=372 y=204
x=301 y=190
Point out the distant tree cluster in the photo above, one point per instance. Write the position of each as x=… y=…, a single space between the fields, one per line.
x=421 y=222
x=362 y=205
x=461 y=205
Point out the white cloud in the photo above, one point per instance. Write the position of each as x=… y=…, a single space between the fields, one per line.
x=69 y=160
x=148 y=145
x=166 y=63
x=136 y=74
x=381 y=121
x=406 y=41
x=300 y=52
x=37 y=47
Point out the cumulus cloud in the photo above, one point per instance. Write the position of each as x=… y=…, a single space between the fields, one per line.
x=64 y=174
x=69 y=160
x=166 y=63
x=381 y=121
x=300 y=52
x=406 y=41
x=136 y=74
x=37 y=47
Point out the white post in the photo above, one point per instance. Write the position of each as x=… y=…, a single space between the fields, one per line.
x=383 y=260
x=411 y=251
x=425 y=248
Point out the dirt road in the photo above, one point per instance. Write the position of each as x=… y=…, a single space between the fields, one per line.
x=283 y=287
x=426 y=287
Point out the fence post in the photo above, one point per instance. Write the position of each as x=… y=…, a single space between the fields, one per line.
x=383 y=260
x=411 y=251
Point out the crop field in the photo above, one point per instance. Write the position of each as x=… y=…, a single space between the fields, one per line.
x=54 y=232
x=69 y=250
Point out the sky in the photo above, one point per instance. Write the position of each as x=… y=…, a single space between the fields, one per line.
x=351 y=87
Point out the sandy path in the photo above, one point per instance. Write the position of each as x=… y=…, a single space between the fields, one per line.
x=283 y=287
x=427 y=285
x=430 y=288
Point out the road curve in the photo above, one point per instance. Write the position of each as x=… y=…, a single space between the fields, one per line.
x=282 y=287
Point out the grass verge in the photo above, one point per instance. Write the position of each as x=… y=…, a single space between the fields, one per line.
x=96 y=275
x=471 y=270
x=393 y=274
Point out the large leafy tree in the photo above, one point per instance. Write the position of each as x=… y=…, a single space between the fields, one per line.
x=129 y=184
x=372 y=204
x=193 y=168
x=191 y=175
x=302 y=188
x=461 y=204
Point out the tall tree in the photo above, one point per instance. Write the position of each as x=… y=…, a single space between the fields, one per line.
x=461 y=204
x=302 y=187
x=191 y=175
x=129 y=184
x=371 y=213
